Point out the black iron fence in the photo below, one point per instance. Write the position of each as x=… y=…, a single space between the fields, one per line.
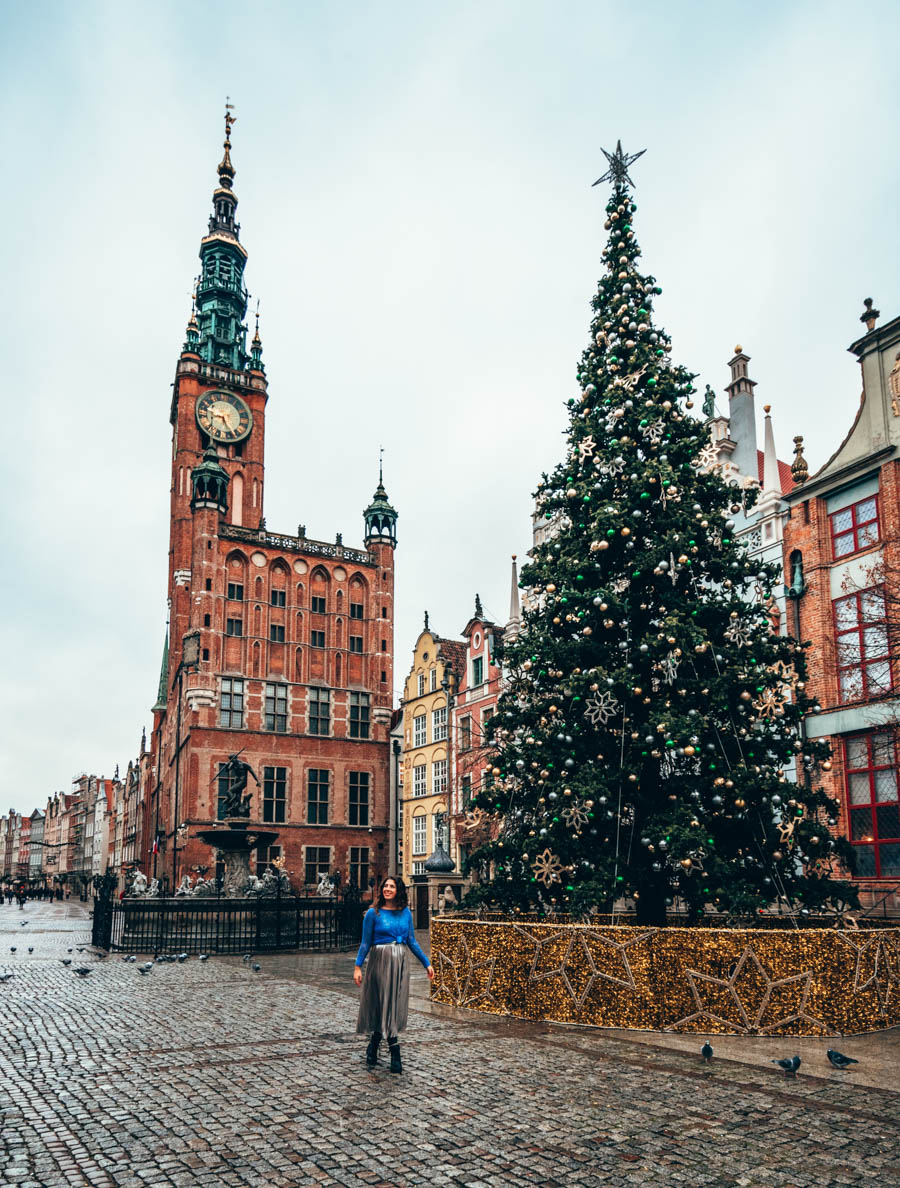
x=187 y=925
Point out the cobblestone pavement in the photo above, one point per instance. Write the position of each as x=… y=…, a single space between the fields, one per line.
x=210 y=1074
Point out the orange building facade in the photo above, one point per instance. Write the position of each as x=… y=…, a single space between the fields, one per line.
x=842 y=563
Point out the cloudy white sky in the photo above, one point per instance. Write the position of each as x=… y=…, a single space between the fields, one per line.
x=415 y=195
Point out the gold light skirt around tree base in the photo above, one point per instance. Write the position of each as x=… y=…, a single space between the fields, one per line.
x=739 y=981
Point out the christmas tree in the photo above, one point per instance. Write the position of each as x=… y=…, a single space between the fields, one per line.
x=646 y=742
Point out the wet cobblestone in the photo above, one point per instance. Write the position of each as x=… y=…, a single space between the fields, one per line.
x=208 y=1074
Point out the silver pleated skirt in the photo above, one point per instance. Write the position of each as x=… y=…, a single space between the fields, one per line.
x=384 y=1005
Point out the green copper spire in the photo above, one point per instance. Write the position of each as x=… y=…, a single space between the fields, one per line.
x=221 y=295
x=163 y=690
x=380 y=516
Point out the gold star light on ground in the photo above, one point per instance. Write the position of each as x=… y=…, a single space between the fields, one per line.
x=592 y=947
x=742 y=1001
x=462 y=978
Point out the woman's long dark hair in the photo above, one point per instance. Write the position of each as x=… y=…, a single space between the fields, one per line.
x=401 y=899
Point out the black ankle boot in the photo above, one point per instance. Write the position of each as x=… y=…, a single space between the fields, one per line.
x=394 y=1046
x=372 y=1049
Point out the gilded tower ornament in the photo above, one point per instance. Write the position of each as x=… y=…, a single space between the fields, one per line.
x=894 y=386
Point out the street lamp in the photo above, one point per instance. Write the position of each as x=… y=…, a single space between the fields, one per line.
x=190 y=659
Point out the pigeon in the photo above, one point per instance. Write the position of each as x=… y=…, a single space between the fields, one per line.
x=31 y=948
x=204 y=956
x=182 y=957
x=160 y=960
x=707 y=1051
x=66 y=960
x=790 y=1066
x=23 y=922
x=146 y=967
x=839 y=1060
x=131 y=957
x=4 y=977
x=256 y=967
x=12 y=948
x=246 y=957
x=82 y=970
x=80 y=948
x=68 y=950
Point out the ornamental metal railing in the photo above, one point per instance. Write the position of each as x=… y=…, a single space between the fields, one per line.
x=186 y=925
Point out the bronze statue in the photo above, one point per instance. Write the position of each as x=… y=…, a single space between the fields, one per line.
x=709 y=403
x=237 y=804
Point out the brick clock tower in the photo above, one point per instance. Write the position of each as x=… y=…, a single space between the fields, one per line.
x=278 y=647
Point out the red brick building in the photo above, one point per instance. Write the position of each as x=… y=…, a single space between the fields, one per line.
x=842 y=559
x=293 y=637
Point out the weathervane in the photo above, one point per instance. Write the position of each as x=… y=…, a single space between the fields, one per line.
x=229 y=118
x=380 y=464
x=618 y=166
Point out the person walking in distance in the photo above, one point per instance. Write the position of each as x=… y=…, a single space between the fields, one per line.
x=384 y=1005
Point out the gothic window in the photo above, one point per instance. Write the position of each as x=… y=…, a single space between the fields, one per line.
x=317 y=796
x=420 y=834
x=359 y=865
x=318 y=604
x=276 y=707
x=439 y=775
x=318 y=862
x=279 y=597
x=861 y=635
x=359 y=715
x=356 y=610
x=231 y=703
x=871 y=765
x=319 y=711
x=274 y=794
x=854 y=527
x=235 y=592
x=358 y=799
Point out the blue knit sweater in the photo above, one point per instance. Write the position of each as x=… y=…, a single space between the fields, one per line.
x=389 y=927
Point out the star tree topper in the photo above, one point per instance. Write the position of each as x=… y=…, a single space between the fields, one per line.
x=618 y=165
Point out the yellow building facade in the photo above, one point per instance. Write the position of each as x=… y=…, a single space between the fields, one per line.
x=425 y=755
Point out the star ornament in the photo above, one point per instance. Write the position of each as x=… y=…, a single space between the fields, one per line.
x=619 y=163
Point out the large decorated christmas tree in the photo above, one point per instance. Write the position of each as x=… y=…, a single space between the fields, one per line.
x=649 y=746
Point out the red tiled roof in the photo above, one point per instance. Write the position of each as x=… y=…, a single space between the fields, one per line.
x=785 y=477
x=454 y=652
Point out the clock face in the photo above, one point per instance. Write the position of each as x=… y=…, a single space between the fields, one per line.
x=224 y=416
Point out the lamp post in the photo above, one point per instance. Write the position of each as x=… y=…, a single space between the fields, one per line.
x=393 y=831
x=190 y=658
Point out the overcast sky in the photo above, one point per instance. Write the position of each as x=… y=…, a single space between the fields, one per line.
x=415 y=196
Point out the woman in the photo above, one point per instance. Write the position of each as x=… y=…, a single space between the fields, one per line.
x=384 y=1006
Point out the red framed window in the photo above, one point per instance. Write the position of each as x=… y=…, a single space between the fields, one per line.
x=872 y=802
x=861 y=634
x=854 y=527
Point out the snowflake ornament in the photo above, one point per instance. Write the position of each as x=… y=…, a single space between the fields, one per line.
x=707 y=459
x=547 y=868
x=669 y=667
x=586 y=449
x=738 y=632
x=576 y=815
x=653 y=432
x=600 y=708
x=769 y=703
